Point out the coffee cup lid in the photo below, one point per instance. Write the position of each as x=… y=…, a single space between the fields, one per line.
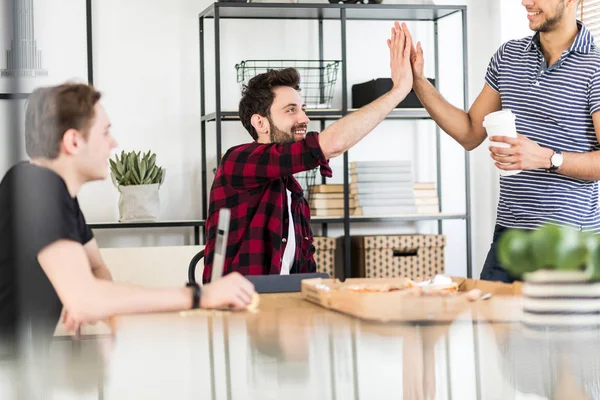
x=499 y=117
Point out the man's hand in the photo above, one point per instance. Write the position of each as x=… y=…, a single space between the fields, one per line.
x=416 y=56
x=233 y=290
x=400 y=45
x=523 y=154
x=72 y=324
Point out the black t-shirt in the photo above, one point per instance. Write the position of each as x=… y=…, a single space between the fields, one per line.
x=36 y=210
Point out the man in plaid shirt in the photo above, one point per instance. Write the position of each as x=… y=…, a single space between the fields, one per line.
x=270 y=218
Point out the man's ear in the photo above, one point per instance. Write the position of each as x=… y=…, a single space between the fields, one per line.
x=260 y=124
x=71 y=141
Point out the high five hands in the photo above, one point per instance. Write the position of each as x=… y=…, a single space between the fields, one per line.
x=400 y=45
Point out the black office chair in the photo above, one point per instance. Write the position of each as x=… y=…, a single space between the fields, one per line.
x=193 y=265
x=264 y=283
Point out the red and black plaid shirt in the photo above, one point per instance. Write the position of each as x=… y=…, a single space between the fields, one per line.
x=251 y=181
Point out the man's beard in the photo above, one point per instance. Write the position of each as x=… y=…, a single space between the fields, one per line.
x=551 y=23
x=279 y=136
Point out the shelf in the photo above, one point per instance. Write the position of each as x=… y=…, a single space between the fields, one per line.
x=307 y=11
x=331 y=114
x=14 y=96
x=387 y=218
x=154 y=224
x=339 y=14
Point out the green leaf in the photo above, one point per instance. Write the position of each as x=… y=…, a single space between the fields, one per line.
x=115 y=171
x=159 y=177
x=120 y=167
x=143 y=170
x=130 y=163
x=127 y=178
x=113 y=166
x=136 y=168
x=152 y=174
x=136 y=163
x=152 y=161
x=136 y=177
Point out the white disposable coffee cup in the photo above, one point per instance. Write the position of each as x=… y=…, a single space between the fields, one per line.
x=501 y=123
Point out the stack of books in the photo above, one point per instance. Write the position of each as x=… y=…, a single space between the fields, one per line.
x=382 y=187
x=376 y=188
x=426 y=198
x=328 y=200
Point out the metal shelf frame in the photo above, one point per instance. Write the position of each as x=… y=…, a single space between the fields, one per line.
x=196 y=224
x=339 y=12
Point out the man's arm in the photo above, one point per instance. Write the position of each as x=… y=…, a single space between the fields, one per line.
x=254 y=165
x=526 y=154
x=464 y=127
x=99 y=268
x=88 y=299
x=346 y=132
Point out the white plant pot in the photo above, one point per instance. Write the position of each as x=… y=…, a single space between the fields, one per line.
x=139 y=203
x=561 y=299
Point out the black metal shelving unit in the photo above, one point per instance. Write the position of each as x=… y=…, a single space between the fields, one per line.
x=339 y=12
x=196 y=224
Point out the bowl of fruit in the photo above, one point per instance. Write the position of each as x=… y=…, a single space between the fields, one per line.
x=560 y=267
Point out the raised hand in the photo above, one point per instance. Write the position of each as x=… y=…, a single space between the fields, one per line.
x=416 y=56
x=400 y=46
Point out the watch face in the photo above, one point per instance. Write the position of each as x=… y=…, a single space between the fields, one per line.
x=557 y=159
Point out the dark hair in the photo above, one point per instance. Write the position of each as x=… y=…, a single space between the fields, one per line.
x=51 y=111
x=257 y=95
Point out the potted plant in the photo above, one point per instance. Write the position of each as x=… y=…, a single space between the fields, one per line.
x=138 y=179
x=560 y=267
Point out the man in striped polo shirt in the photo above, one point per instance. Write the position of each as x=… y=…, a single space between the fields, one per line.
x=551 y=82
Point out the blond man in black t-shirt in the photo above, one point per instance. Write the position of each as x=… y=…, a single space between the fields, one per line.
x=48 y=255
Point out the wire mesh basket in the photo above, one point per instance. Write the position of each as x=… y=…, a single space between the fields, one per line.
x=307 y=179
x=317 y=77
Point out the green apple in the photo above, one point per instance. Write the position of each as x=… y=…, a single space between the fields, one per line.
x=514 y=252
x=559 y=247
x=592 y=242
x=544 y=243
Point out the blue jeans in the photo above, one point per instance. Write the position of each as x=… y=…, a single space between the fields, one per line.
x=492 y=269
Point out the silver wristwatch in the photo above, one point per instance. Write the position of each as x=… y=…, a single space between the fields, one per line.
x=555 y=161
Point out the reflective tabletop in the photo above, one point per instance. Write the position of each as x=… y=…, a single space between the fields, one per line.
x=292 y=349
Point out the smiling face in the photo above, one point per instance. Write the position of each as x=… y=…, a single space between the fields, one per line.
x=287 y=120
x=546 y=15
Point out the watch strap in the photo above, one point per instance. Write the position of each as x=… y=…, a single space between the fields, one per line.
x=196 y=294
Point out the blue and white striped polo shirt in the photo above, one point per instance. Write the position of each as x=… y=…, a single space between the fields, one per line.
x=553 y=107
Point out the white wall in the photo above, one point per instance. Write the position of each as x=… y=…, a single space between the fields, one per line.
x=146 y=64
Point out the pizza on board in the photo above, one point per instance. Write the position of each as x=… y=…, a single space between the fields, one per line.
x=407 y=286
